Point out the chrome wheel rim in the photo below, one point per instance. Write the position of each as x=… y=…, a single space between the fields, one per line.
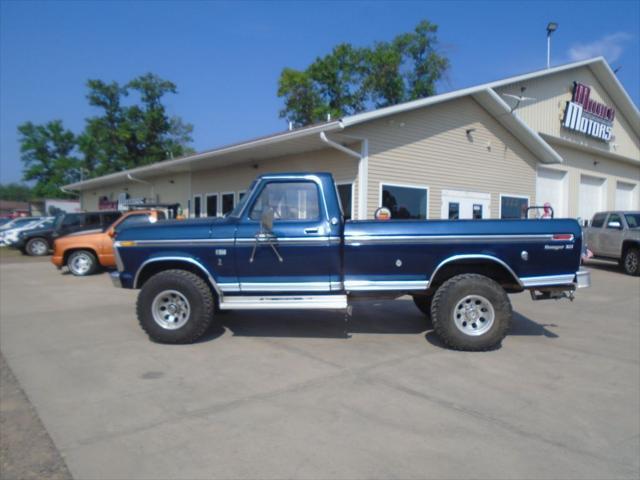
x=473 y=315
x=80 y=263
x=171 y=309
x=38 y=247
x=631 y=262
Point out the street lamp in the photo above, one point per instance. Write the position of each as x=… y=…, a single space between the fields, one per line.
x=551 y=27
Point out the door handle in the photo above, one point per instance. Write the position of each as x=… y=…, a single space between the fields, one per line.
x=311 y=230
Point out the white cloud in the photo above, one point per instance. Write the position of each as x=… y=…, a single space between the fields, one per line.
x=609 y=47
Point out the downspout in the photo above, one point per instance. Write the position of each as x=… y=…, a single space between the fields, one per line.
x=363 y=168
x=134 y=179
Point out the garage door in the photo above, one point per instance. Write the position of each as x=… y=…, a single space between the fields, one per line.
x=592 y=196
x=551 y=187
x=625 y=193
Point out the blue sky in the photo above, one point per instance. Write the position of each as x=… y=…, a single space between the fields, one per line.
x=226 y=57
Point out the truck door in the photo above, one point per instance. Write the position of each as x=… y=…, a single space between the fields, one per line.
x=611 y=236
x=298 y=253
x=592 y=233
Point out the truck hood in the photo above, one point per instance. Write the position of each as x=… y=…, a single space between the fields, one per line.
x=197 y=228
x=86 y=237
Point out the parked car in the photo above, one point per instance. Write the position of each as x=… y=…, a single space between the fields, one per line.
x=39 y=241
x=616 y=235
x=85 y=252
x=286 y=245
x=18 y=222
x=10 y=236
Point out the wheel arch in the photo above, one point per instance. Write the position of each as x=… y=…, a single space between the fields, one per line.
x=69 y=251
x=629 y=243
x=486 y=265
x=155 y=265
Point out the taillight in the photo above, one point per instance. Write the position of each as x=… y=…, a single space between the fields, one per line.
x=564 y=237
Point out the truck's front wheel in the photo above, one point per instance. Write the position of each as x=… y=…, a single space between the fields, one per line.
x=175 y=306
x=471 y=312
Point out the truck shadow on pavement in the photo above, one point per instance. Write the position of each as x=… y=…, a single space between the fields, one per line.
x=385 y=317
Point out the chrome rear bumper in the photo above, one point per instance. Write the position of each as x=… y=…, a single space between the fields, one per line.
x=583 y=279
x=115 y=279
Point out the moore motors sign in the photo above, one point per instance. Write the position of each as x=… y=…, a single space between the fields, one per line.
x=582 y=114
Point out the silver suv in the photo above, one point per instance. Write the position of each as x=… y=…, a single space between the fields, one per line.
x=616 y=235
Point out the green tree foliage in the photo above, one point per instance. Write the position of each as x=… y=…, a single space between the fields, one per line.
x=16 y=192
x=127 y=136
x=132 y=129
x=350 y=80
x=47 y=153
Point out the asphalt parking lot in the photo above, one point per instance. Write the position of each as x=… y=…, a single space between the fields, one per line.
x=308 y=395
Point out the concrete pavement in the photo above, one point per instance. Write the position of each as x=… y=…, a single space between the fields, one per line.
x=306 y=395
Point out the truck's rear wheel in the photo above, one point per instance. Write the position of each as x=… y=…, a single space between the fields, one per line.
x=471 y=312
x=631 y=261
x=175 y=306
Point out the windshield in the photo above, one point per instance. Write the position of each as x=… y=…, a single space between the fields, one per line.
x=238 y=208
x=633 y=219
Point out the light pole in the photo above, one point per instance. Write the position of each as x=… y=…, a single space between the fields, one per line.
x=551 y=27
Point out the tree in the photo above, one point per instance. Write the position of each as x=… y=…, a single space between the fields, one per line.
x=47 y=153
x=128 y=136
x=16 y=192
x=349 y=80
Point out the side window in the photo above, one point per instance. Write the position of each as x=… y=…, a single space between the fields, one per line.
x=92 y=220
x=598 y=220
x=614 y=217
x=289 y=200
x=345 y=193
x=109 y=218
x=73 y=220
x=133 y=220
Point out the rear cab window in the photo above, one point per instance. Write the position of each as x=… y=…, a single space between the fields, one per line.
x=598 y=220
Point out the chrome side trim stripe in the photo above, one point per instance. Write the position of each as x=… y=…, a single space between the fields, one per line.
x=547 y=280
x=426 y=239
x=371 y=285
x=293 y=240
x=285 y=287
x=229 y=287
x=222 y=242
x=306 y=302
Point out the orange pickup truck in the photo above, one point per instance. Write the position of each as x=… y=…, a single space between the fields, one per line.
x=85 y=252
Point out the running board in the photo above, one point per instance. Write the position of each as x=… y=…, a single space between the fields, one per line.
x=285 y=302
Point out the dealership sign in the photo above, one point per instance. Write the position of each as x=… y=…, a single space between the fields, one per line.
x=585 y=115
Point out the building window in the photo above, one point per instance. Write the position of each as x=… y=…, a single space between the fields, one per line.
x=197 y=205
x=454 y=211
x=405 y=202
x=512 y=207
x=228 y=202
x=477 y=211
x=212 y=205
x=241 y=196
x=345 y=193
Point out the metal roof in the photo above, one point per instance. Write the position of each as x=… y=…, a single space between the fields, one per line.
x=308 y=139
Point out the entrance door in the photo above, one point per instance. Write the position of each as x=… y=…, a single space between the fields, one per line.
x=458 y=205
x=592 y=196
x=300 y=253
x=551 y=188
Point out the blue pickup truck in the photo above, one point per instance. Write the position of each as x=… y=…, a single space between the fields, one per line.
x=286 y=245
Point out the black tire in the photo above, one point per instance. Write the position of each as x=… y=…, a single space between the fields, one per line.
x=631 y=261
x=37 y=247
x=82 y=263
x=187 y=285
x=460 y=293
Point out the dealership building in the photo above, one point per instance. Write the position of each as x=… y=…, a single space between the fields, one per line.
x=568 y=136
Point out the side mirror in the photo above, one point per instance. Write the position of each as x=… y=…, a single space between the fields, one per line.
x=266 y=220
x=614 y=224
